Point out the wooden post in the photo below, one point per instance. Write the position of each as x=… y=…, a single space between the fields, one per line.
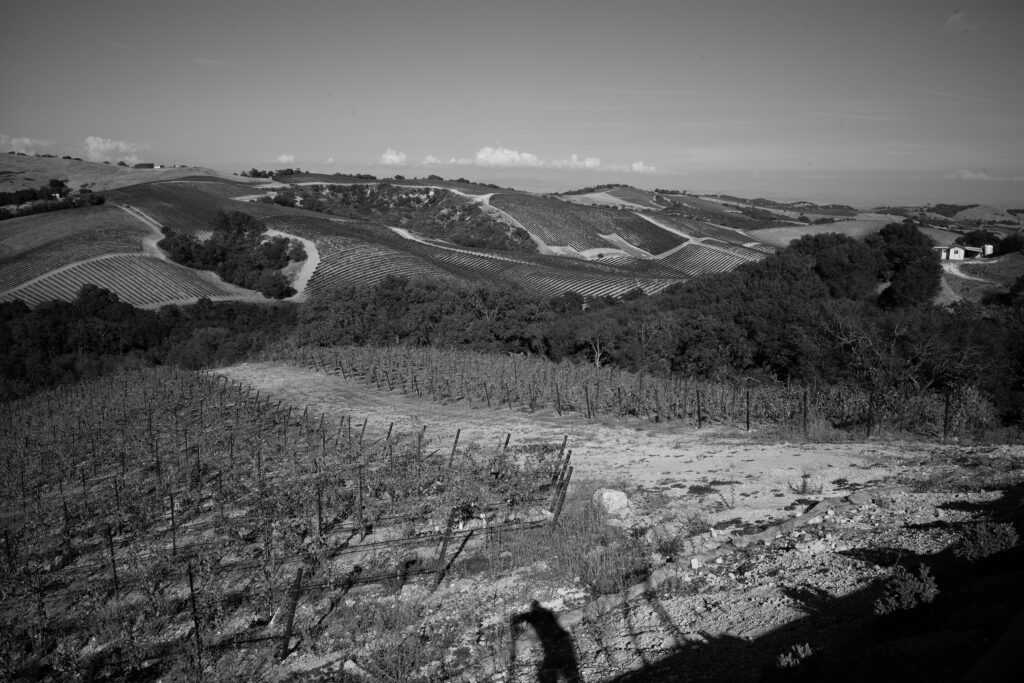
x=560 y=502
x=945 y=417
x=455 y=444
x=113 y=563
x=803 y=409
x=174 y=528
x=444 y=547
x=748 y=409
x=195 y=615
x=289 y=624
x=871 y=414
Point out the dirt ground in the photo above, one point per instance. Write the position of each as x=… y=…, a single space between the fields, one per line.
x=732 y=476
x=811 y=583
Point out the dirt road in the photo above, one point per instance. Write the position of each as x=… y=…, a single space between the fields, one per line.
x=724 y=472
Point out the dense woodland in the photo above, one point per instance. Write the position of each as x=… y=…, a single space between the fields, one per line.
x=811 y=314
x=238 y=252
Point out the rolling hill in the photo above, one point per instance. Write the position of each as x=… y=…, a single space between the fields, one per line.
x=17 y=172
x=591 y=250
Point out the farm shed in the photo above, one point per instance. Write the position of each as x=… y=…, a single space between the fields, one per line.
x=953 y=253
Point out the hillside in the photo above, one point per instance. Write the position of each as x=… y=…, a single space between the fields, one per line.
x=560 y=223
x=33 y=245
x=17 y=172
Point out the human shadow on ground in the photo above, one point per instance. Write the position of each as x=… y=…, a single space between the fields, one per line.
x=559 y=662
x=962 y=635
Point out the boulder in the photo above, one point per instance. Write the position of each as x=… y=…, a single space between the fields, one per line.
x=612 y=503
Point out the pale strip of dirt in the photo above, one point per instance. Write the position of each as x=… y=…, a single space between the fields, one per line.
x=413 y=237
x=953 y=269
x=756 y=481
x=307 y=268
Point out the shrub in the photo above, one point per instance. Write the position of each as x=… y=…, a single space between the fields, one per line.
x=905 y=590
x=978 y=541
x=794 y=656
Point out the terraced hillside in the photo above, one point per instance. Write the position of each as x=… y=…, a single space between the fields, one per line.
x=694 y=260
x=33 y=245
x=346 y=262
x=138 y=280
x=699 y=228
x=551 y=283
x=561 y=223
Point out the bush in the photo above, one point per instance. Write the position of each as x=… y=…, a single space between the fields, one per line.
x=984 y=539
x=794 y=656
x=906 y=590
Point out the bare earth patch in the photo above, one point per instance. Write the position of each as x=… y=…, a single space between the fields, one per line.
x=722 y=469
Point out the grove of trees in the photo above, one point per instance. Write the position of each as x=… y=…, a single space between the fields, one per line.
x=239 y=252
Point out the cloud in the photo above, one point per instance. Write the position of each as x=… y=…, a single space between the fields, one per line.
x=329 y=160
x=575 y=162
x=23 y=145
x=106 y=149
x=392 y=157
x=957 y=22
x=285 y=158
x=982 y=176
x=503 y=156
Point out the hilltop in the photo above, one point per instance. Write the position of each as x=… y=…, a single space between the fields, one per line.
x=18 y=172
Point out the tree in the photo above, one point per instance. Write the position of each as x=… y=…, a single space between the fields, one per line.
x=849 y=267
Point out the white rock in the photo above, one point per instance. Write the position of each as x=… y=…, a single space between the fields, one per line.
x=613 y=503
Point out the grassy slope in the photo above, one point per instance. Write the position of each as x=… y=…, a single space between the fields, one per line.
x=781 y=237
x=561 y=223
x=22 y=172
x=33 y=245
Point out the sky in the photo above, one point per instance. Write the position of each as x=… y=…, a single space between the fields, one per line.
x=901 y=101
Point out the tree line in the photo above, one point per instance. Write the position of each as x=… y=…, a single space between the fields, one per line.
x=63 y=342
x=54 y=196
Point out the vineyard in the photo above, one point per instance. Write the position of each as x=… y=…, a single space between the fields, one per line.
x=348 y=262
x=138 y=280
x=693 y=260
x=40 y=260
x=167 y=523
x=530 y=383
x=562 y=223
x=550 y=283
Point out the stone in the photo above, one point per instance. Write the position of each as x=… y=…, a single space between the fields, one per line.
x=615 y=505
x=860 y=497
x=353 y=669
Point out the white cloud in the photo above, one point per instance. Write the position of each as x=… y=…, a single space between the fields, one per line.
x=286 y=158
x=106 y=149
x=392 y=157
x=24 y=145
x=984 y=176
x=329 y=160
x=575 y=162
x=503 y=156
x=957 y=22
